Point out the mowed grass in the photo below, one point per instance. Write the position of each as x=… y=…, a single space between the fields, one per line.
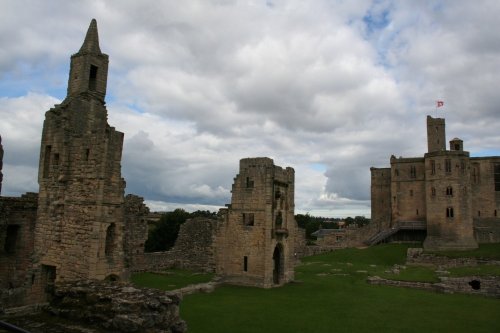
x=331 y=295
x=170 y=279
x=487 y=251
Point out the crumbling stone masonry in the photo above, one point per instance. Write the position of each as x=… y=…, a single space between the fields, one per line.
x=118 y=307
x=256 y=240
x=194 y=249
x=17 y=225
x=136 y=227
x=80 y=223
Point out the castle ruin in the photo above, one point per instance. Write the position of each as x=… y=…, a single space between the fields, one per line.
x=81 y=226
x=256 y=239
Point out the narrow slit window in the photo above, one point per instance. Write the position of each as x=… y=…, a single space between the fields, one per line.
x=413 y=171
x=110 y=240
x=449 y=212
x=449 y=191
x=447 y=165
x=497 y=177
x=93 y=78
x=46 y=161
x=245 y=264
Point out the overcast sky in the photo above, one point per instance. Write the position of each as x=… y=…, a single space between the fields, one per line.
x=329 y=88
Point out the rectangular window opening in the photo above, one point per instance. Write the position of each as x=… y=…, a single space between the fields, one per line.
x=245 y=264
x=497 y=177
x=46 y=161
x=447 y=165
x=93 y=78
x=413 y=172
x=11 y=239
x=248 y=219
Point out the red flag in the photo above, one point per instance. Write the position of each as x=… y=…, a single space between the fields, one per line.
x=439 y=104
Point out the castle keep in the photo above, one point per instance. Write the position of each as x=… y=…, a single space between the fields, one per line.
x=454 y=197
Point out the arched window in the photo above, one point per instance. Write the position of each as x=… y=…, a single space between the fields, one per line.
x=110 y=240
x=449 y=191
x=449 y=212
x=413 y=171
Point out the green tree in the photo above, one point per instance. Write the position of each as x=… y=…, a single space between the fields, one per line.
x=163 y=237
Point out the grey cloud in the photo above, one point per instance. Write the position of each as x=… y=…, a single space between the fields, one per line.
x=197 y=87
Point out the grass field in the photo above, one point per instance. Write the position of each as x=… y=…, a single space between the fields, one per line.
x=490 y=251
x=331 y=295
x=170 y=279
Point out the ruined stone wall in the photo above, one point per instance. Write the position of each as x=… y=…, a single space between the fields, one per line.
x=195 y=245
x=17 y=224
x=80 y=223
x=136 y=229
x=300 y=243
x=118 y=307
x=476 y=285
x=255 y=245
x=417 y=256
x=194 y=249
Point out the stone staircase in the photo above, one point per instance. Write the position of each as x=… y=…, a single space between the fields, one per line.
x=401 y=225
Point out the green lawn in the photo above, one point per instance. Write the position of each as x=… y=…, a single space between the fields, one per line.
x=170 y=279
x=481 y=270
x=490 y=251
x=331 y=295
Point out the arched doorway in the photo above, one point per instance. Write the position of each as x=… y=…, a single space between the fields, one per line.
x=279 y=264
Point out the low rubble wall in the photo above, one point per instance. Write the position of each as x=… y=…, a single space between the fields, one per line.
x=478 y=285
x=118 y=307
x=416 y=256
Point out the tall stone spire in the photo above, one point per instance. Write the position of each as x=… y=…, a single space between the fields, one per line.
x=89 y=68
x=91 y=42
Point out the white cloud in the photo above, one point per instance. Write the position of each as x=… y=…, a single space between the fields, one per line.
x=195 y=87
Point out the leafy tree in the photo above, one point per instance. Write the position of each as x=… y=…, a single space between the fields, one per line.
x=164 y=235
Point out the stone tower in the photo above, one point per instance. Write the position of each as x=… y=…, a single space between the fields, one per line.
x=449 y=192
x=256 y=240
x=80 y=223
x=436 y=136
